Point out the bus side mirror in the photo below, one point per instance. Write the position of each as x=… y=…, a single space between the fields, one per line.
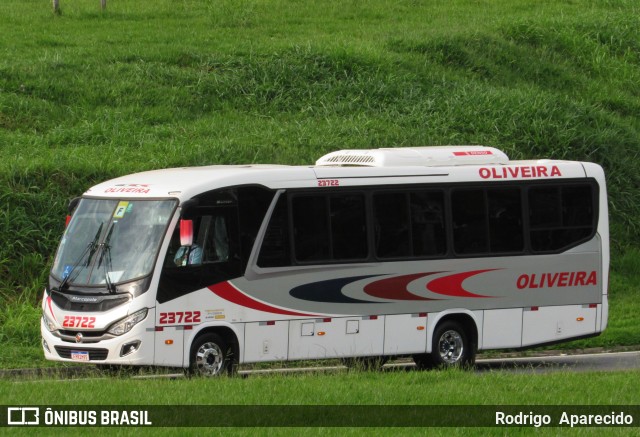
x=73 y=203
x=186 y=232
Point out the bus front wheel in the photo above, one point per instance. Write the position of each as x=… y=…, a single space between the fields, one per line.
x=210 y=356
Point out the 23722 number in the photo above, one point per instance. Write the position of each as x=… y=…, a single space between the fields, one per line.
x=79 y=322
x=329 y=183
x=173 y=317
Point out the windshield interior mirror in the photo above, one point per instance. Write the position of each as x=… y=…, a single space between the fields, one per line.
x=186 y=232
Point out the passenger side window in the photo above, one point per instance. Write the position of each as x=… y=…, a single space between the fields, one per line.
x=311 y=228
x=409 y=224
x=274 y=251
x=506 y=232
x=328 y=227
x=470 y=234
x=392 y=225
x=487 y=221
x=560 y=216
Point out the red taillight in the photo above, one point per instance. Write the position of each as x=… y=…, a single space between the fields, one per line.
x=67 y=220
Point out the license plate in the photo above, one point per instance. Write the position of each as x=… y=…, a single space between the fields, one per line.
x=80 y=355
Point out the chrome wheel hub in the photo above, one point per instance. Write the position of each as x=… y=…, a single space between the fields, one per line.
x=450 y=347
x=209 y=359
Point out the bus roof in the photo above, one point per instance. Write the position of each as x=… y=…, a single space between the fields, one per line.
x=434 y=156
x=342 y=168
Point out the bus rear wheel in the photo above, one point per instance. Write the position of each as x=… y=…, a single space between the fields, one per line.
x=210 y=356
x=450 y=348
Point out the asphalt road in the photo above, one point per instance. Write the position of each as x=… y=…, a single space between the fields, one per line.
x=603 y=362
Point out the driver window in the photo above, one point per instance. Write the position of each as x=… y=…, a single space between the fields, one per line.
x=210 y=243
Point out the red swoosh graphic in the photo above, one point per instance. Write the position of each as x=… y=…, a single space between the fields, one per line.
x=396 y=288
x=228 y=292
x=452 y=285
x=51 y=309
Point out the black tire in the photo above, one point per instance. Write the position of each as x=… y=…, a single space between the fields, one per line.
x=451 y=346
x=423 y=361
x=365 y=363
x=210 y=356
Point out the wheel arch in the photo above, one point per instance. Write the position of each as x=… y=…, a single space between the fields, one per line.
x=467 y=319
x=228 y=332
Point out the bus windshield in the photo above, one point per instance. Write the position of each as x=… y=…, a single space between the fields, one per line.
x=111 y=241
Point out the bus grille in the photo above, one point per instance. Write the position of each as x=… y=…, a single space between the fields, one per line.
x=102 y=304
x=94 y=354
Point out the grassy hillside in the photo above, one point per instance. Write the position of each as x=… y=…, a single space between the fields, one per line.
x=90 y=95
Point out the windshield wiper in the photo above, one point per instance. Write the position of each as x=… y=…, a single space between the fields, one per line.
x=106 y=254
x=91 y=250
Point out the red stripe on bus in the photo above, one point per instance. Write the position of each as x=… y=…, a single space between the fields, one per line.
x=451 y=285
x=51 y=308
x=227 y=291
x=396 y=288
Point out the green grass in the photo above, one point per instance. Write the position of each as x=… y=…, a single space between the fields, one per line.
x=90 y=95
x=401 y=387
x=350 y=388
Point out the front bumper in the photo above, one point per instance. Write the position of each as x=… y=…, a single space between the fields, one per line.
x=135 y=347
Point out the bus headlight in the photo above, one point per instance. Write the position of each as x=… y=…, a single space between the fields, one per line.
x=125 y=325
x=48 y=323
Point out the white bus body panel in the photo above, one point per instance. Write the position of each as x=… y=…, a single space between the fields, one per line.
x=405 y=334
x=169 y=344
x=266 y=341
x=336 y=337
x=502 y=329
x=550 y=324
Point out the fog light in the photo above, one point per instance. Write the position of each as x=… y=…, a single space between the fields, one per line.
x=45 y=345
x=129 y=348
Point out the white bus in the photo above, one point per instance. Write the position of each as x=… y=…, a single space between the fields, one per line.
x=429 y=252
